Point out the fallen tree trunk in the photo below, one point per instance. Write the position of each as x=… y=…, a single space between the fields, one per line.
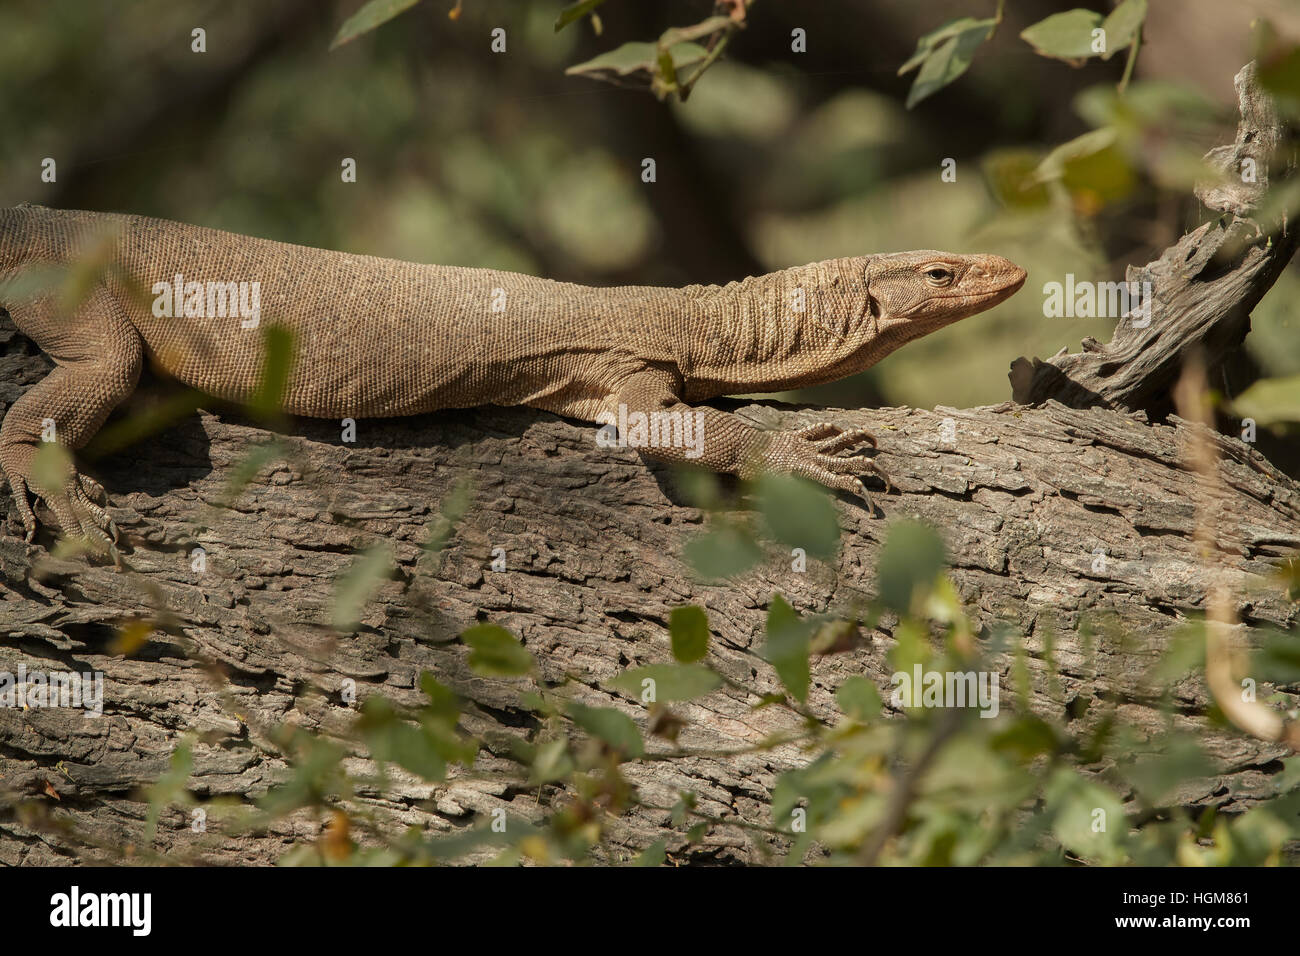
x=1025 y=499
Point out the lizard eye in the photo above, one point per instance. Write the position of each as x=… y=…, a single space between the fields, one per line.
x=938 y=276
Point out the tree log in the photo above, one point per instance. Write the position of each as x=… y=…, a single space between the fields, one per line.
x=592 y=540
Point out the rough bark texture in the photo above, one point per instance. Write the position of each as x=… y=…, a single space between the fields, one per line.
x=592 y=540
x=1027 y=498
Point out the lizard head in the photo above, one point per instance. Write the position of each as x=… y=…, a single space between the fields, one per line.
x=914 y=293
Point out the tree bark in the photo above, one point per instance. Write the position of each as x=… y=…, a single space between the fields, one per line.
x=1025 y=498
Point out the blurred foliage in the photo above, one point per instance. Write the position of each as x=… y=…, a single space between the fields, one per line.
x=670 y=66
x=470 y=158
x=944 y=54
x=1270 y=401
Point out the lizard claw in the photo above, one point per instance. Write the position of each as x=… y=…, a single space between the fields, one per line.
x=73 y=508
x=830 y=438
x=810 y=453
x=18 y=488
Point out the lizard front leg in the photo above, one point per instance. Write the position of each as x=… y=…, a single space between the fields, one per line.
x=99 y=357
x=727 y=444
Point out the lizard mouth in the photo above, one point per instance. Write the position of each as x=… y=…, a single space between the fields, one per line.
x=1015 y=282
x=986 y=300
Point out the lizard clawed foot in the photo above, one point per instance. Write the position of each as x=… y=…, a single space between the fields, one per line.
x=811 y=453
x=75 y=509
x=830 y=438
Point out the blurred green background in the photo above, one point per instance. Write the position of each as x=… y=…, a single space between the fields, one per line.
x=470 y=157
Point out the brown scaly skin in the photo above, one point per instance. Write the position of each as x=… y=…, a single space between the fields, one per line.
x=378 y=337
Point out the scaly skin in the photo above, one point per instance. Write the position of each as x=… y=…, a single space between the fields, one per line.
x=378 y=338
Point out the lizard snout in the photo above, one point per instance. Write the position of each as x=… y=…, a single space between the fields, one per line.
x=999 y=272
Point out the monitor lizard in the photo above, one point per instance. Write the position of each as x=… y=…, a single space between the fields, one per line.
x=384 y=338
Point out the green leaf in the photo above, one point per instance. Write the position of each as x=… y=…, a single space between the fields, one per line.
x=723 y=552
x=799 y=514
x=689 y=629
x=1026 y=738
x=1278 y=658
x=675 y=35
x=51 y=469
x=699 y=489
x=157 y=417
x=859 y=698
x=443 y=701
x=1064 y=36
x=358 y=585
x=460 y=842
x=391 y=740
x=1092 y=165
x=672 y=682
x=407 y=747
x=454 y=505
x=1184 y=653
x=653 y=855
x=1259 y=834
x=316 y=771
x=170 y=787
x=621 y=61
x=246 y=470
x=1010 y=174
x=277 y=349
x=1055 y=163
x=368 y=17
x=911 y=560
x=34 y=282
x=1288 y=576
x=944 y=55
x=423 y=749
x=1087 y=818
x=680 y=812
x=1289 y=778
x=926 y=44
x=574 y=12
x=635 y=64
x=551 y=762
x=1270 y=401
x=787 y=647
x=1122 y=25
x=612 y=726
x=1280 y=75
x=667 y=73
x=1157 y=776
x=495 y=652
